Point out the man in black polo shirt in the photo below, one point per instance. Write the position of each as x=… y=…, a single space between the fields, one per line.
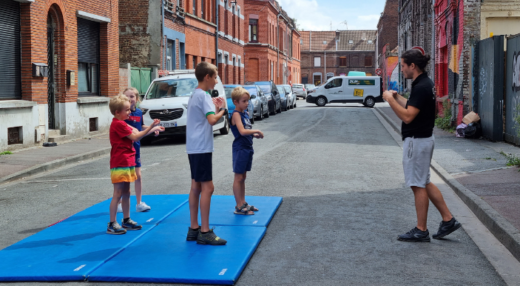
x=418 y=116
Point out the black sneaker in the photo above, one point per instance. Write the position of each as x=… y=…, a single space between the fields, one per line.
x=210 y=238
x=115 y=228
x=446 y=227
x=131 y=225
x=415 y=235
x=192 y=234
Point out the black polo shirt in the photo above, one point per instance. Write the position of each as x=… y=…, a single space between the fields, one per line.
x=422 y=97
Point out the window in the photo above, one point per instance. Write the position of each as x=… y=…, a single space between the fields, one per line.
x=10 y=74
x=368 y=61
x=370 y=41
x=317 y=61
x=88 y=75
x=88 y=57
x=202 y=8
x=334 y=83
x=233 y=20
x=170 y=55
x=343 y=61
x=253 y=30
x=351 y=42
x=194 y=7
x=194 y=61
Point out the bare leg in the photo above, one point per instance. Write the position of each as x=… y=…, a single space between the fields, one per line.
x=205 y=204
x=421 y=207
x=118 y=190
x=138 y=185
x=194 y=204
x=438 y=201
x=125 y=200
x=239 y=190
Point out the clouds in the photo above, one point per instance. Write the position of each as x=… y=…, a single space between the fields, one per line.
x=317 y=15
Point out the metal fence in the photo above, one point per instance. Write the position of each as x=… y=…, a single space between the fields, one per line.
x=512 y=87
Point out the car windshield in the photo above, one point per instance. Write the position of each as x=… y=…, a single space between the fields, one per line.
x=252 y=91
x=287 y=89
x=297 y=86
x=172 y=88
x=228 y=90
x=265 y=88
x=310 y=86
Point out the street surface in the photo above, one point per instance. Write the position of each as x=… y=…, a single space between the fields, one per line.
x=339 y=172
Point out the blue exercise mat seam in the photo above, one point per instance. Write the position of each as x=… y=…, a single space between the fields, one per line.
x=134 y=240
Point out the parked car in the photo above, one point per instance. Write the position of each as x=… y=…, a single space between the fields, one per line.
x=259 y=100
x=346 y=89
x=310 y=87
x=283 y=97
x=299 y=90
x=273 y=96
x=291 y=98
x=231 y=106
x=167 y=99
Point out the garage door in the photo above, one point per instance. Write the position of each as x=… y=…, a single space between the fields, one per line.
x=10 y=50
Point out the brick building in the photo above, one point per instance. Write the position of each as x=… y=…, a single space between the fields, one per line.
x=60 y=64
x=386 y=43
x=457 y=25
x=181 y=34
x=327 y=53
x=416 y=29
x=272 y=50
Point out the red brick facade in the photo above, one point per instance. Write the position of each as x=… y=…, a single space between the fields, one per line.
x=274 y=56
x=34 y=18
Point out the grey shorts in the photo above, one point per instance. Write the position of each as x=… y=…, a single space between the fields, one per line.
x=417 y=156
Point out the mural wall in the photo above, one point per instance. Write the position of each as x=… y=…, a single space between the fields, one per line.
x=390 y=70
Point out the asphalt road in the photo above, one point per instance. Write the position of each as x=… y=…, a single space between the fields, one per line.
x=339 y=172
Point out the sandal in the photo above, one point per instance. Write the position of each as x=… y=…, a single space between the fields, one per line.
x=251 y=208
x=244 y=210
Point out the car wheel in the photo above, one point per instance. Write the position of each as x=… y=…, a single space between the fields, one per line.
x=252 y=119
x=261 y=116
x=225 y=130
x=370 y=102
x=321 y=101
x=280 y=108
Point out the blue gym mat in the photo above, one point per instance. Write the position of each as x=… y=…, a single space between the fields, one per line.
x=222 y=212
x=69 y=250
x=78 y=248
x=164 y=256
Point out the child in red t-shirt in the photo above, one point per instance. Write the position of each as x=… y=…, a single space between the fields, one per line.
x=122 y=162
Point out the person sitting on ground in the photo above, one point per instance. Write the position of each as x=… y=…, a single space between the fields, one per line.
x=242 y=148
x=418 y=116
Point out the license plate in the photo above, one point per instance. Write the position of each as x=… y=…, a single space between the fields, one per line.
x=168 y=124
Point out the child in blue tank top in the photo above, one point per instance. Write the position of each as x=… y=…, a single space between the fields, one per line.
x=242 y=148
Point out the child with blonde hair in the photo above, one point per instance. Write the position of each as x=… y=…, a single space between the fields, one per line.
x=135 y=120
x=242 y=148
x=122 y=162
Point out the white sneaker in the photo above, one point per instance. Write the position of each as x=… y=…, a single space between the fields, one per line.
x=142 y=207
x=119 y=208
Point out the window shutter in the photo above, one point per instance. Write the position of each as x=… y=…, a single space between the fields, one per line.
x=88 y=41
x=10 y=73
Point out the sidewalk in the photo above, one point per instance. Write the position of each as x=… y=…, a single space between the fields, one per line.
x=477 y=171
x=36 y=160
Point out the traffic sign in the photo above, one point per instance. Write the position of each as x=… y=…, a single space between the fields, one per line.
x=379 y=72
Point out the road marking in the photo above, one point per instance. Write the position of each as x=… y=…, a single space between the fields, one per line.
x=150 y=220
x=79 y=268
x=223 y=272
x=65 y=180
x=154 y=164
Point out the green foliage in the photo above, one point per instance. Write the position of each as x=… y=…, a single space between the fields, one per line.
x=512 y=160
x=6 y=153
x=444 y=122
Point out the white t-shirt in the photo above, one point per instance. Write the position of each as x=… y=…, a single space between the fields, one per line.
x=199 y=133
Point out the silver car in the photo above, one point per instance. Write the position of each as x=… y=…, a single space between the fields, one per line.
x=259 y=102
x=299 y=90
x=291 y=97
x=310 y=88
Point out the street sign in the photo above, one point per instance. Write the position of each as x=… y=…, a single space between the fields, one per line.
x=379 y=72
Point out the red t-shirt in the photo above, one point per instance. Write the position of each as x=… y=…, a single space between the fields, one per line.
x=123 y=152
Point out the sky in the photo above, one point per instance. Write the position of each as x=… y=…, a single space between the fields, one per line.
x=317 y=15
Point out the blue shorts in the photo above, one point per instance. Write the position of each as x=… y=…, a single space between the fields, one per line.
x=242 y=160
x=137 y=157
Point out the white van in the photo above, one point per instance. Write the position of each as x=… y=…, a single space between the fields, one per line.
x=349 y=89
x=167 y=100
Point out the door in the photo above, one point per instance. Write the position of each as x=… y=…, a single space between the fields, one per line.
x=51 y=82
x=334 y=90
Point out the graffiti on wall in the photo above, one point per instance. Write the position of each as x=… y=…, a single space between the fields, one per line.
x=516 y=72
x=392 y=73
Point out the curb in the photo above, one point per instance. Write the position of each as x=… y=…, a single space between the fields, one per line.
x=502 y=229
x=54 y=164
